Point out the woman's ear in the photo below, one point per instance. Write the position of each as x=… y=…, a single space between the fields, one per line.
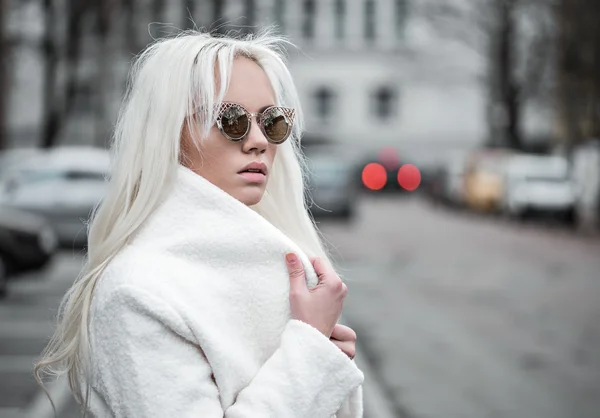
x=186 y=146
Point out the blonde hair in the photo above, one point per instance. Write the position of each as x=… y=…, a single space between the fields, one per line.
x=170 y=80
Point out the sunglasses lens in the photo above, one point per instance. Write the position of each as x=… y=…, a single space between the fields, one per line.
x=275 y=125
x=234 y=122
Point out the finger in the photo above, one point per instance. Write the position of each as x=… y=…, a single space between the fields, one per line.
x=343 y=333
x=296 y=272
x=347 y=347
x=320 y=268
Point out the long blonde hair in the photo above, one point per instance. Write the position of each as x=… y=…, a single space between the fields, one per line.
x=170 y=80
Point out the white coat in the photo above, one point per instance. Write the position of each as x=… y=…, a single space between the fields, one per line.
x=192 y=320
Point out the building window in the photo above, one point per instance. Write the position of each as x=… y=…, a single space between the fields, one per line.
x=340 y=18
x=385 y=102
x=400 y=12
x=279 y=14
x=324 y=103
x=308 y=19
x=370 y=20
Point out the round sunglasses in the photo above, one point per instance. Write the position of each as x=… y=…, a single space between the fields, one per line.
x=234 y=121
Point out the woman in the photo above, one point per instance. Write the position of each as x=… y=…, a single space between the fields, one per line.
x=195 y=300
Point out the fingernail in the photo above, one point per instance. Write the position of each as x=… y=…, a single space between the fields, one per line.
x=291 y=258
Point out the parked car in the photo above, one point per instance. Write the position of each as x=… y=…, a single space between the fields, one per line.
x=586 y=175
x=391 y=161
x=446 y=185
x=27 y=243
x=484 y=179
x=332 y=186
x=454 y=184
x=431 y=184
x=63 y=185
x=539 y=183
x=12 y=158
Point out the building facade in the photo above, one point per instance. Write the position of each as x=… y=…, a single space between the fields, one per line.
x=370 y=73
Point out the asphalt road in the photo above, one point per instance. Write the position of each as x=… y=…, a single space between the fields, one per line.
x=457 y=316
x=470 y=316
x=26 y=324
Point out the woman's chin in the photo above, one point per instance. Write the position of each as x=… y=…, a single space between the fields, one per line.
x=250 y=195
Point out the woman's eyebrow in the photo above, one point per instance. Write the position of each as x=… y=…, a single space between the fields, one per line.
x=262 y=109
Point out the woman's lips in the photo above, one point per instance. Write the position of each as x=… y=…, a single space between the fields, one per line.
x=253 y=177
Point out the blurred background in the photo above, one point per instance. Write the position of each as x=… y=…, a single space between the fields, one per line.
x=454 y=148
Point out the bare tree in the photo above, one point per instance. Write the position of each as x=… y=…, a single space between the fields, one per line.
x=105 y=13
x=56 y=111
x=189 y=13
x=250 y=15
x=3 y=73
x=506 y=89
x=579 y=69
x=158 y=8
x=517 y=62
x=128 y=7
x=52 y=114
x=217 y=17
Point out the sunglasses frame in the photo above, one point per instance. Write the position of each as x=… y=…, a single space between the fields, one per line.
x=288 y=113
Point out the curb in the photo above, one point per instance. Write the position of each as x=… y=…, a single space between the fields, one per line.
x=376 y=403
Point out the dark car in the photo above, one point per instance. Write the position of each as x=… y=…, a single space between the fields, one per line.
x=390 y=162
x=331 y=186
x=27 y=243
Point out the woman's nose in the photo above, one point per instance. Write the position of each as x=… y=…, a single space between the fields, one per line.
x=255 y=141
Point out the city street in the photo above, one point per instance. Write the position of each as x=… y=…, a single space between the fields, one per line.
x=488 y=104
x=26 y=323
x=457 y=316
x=469 y=316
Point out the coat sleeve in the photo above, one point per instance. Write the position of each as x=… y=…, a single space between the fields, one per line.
x=352 y=406
x=146 y=365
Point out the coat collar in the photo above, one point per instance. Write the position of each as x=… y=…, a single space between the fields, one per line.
x=200 y=222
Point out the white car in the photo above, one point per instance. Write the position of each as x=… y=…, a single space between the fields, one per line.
x=63 y=185
x=454 y=180
x=11 y=158
x=586 y=174
x=536 y=183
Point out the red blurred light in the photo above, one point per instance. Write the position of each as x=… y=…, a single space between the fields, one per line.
x=409 y=177
x=374 y=176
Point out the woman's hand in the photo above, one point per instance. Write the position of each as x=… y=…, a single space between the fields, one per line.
x=320 y=306
x=345 y=338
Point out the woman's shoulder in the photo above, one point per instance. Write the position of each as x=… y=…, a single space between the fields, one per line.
x=142 y=272
x=135 y=289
